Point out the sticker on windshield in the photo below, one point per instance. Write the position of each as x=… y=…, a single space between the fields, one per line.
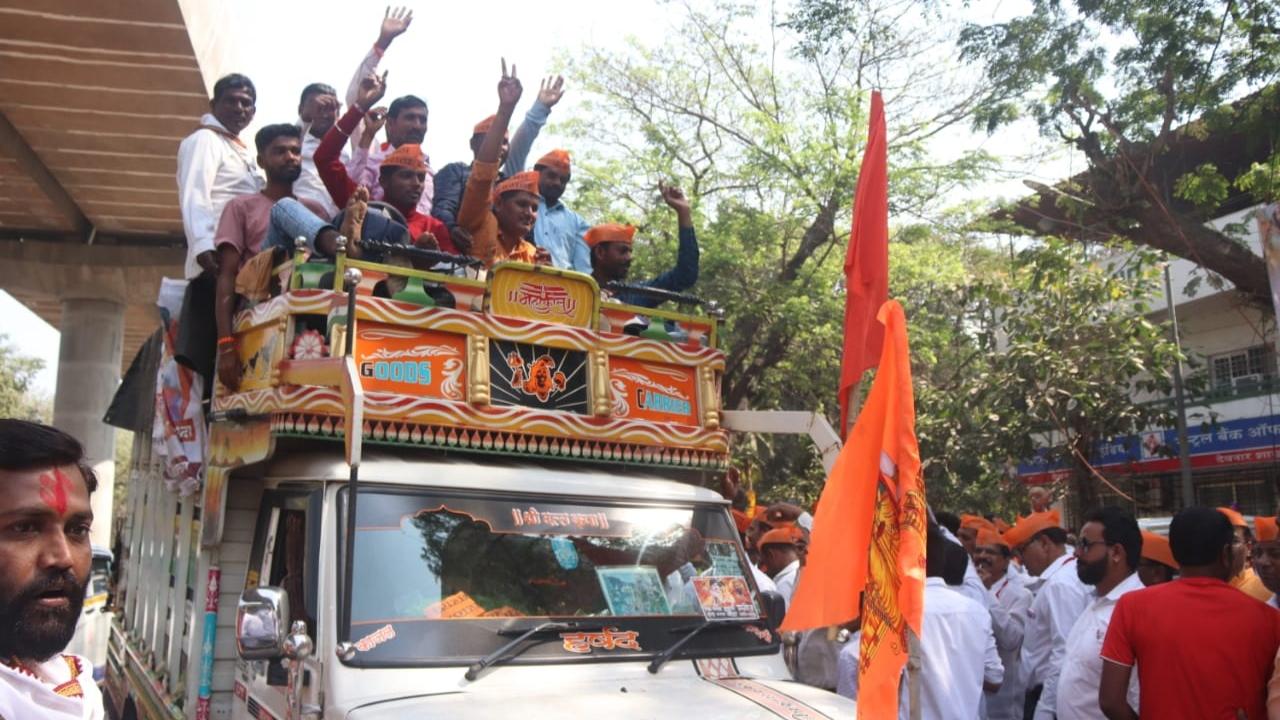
x=566 y=554
x=457 y=605
x=610 y=638
x=633 y=590
x=376 y=638
x=724 y=598
x=724 y=558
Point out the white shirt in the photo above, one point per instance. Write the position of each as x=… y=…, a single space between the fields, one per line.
x=786 y=580
x=1010 y=602
x=212 y=169
x=958 y=653
x=1059 y=601
x=23 y=696
x=764 y=582
x=309 y=186
x=1082 y=664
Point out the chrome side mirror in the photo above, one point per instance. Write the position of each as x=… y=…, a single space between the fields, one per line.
x=262 y=619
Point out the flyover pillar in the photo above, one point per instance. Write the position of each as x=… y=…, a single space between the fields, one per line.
x=88 y=374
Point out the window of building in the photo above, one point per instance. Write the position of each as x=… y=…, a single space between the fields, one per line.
x=1243 y=370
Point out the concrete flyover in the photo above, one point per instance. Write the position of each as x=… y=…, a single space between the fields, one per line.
x=94 y=99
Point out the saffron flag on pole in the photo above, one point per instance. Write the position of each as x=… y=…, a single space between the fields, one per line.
x=866 y=262
x=869 y=532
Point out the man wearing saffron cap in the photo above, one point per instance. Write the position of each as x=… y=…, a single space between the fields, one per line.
x=1156 y=566
x=1266 y=556
x=1244 y=578
x=558 y=228
x=611 y=253
x=402 y=175
x=967 y=534
x=781 y=559
x=1041 y=541
x=451 y=181
x=498 y=214
x=1009 y=604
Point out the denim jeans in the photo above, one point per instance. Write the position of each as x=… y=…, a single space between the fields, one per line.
x=291 y=219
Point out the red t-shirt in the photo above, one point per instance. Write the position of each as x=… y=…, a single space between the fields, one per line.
x=1203 y=649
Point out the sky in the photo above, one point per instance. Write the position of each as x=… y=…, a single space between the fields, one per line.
x=450 y=56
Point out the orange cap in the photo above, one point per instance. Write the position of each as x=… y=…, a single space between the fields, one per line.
x=610 y=232
x=740 y=520
x=406 y=156
x=977 y=522
x=1265 y=529
x=526 y=181
x=1156 y=548
x=1237 y=520
x=788 y=535
x=483 y=126
x=1026 y=527
x=556 y=159
x=988 y=536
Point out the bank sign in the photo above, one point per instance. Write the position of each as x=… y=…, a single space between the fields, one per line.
x=1234 y=442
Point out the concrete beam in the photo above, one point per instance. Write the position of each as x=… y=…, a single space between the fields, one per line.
x=15 y=146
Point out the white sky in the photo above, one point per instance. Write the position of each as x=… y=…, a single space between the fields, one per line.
x=450 y=57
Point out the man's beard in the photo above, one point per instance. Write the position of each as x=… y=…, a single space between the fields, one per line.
x=288 y=175
x=1091 y=573
x=30 y=630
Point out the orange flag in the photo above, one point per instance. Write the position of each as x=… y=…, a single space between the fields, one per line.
x=869 y=532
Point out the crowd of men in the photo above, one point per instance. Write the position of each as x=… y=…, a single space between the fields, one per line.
x=325 y=178
x=1030 y=621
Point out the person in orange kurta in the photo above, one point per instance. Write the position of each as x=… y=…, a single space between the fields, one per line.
x=500 y=217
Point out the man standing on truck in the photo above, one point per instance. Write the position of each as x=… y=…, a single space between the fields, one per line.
x=611 y=253
x=45 y=557
x=559 y=229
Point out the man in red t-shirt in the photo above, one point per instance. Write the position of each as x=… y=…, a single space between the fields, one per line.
x=1204 y=650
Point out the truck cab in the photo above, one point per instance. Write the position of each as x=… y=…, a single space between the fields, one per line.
x=455 y=560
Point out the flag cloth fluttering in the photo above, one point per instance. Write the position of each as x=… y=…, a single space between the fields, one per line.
x=869 y=532
x=866 y=262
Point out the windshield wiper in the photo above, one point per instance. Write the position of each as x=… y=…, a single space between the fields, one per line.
x=692 y=631
x=504 y=653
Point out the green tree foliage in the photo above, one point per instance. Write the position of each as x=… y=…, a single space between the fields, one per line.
x=17 y=373
x=765 y=127
x=1172 y=103
x=762 y=119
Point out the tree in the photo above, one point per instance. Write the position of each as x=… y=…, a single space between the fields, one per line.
x=764 y=123
x=17 y=373
x=1173 y=104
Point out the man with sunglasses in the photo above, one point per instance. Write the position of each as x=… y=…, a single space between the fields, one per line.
x=1106 y=558
x=1060 y=597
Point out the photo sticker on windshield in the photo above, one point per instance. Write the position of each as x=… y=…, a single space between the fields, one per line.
x=376 y=638
x=725 y=598
x=633 y=590
x=608 y=639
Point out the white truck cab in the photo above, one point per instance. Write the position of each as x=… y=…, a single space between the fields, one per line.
x=493 y=589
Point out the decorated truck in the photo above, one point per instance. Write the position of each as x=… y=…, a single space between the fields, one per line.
x=437 y=496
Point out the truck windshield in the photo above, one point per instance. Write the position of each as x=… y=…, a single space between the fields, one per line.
x=437 y=576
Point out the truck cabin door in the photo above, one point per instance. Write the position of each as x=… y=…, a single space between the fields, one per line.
x=284 y=548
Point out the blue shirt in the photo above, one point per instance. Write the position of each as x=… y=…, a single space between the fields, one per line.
x=560 y=231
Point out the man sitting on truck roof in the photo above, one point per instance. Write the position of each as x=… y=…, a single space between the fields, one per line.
x=611 y=253
x=451 y=181
x=559 y=229
x=402 y=175
x=498 y=215
x=270 y=218
x=45 y=558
